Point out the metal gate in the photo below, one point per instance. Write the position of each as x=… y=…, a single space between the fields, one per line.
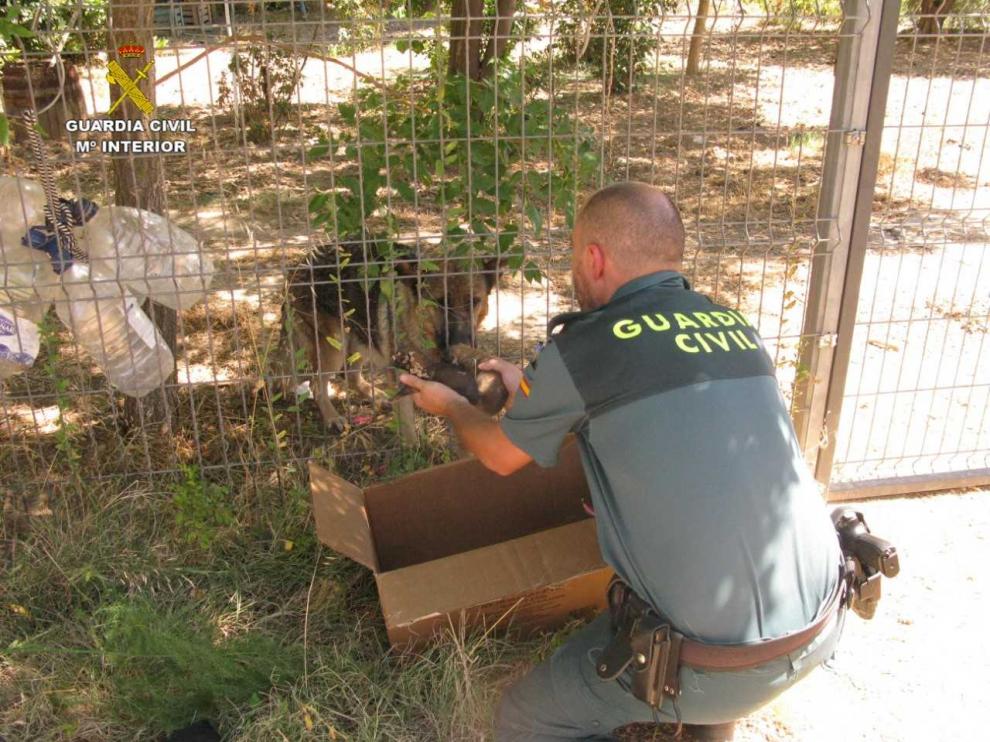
x=895 y=395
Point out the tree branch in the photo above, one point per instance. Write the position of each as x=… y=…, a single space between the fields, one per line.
x=262 y=40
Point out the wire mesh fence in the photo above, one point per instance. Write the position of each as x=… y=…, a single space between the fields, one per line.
x=365 y=178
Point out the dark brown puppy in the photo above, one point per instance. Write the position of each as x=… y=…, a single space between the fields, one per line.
x=458 y=370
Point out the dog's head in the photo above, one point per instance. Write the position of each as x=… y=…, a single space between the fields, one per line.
x=456 y=297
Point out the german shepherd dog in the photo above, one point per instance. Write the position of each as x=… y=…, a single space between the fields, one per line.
x=338 y=320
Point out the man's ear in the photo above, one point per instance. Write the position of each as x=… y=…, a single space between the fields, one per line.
x=492 y=267
x=596 y=259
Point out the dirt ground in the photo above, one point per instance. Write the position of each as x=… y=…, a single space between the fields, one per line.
x=917 y=671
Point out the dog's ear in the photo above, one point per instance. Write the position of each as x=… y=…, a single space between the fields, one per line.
x=407 y=266
x=492 y=267
x=406 y=262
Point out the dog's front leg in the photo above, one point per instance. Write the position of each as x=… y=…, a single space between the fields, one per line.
x=376 y=395
x=323 y=396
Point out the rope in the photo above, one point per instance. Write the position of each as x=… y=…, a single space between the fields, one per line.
x=57 y=212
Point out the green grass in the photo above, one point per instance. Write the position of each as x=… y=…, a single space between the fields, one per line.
x=133 y=608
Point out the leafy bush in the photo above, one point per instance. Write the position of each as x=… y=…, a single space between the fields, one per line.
x=260 y=88
x=201 y=509
x=480 y=152
x=614 y=37
x=69 y=26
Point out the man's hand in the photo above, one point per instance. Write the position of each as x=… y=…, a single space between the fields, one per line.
x=478 y=433
x=511 y=375
x=432 y=396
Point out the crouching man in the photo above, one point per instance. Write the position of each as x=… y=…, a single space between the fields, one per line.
x=727 y=564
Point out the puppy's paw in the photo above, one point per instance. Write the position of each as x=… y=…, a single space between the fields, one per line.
x=412 y=361
x=402 y=359
x=336 y=427
x=491 y=392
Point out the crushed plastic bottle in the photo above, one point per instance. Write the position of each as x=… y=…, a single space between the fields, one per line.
x=108 y=322
x=151 y=256
x=20 y=341
x=28 y=284
x=22 y=205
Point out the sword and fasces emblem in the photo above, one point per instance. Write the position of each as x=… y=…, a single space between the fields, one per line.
x=116 y=74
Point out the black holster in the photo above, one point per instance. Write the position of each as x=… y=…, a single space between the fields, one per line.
x=644 y=643
x=867 y=557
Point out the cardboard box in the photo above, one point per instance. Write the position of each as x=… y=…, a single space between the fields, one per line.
x=459 y=545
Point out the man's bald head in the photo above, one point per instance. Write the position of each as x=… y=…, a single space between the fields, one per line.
x=636 y=224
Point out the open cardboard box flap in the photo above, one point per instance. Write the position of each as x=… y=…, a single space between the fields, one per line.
x=460 y=543
x=341 y=519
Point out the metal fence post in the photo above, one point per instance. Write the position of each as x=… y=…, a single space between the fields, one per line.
x=859 y=101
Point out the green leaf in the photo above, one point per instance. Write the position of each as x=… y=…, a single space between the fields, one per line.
x=508 y=235
x=371 y=133
x=4 y=131
x=319 y=202
x=351 y=183
x=480 y=228
x=483 y=207
x=334 y=342
x=319 y=150
x=347 y=112
x=387 y=287
x=535 y=218
x=531 y=272
x=7 y=28
x=405 y=190
x=485 y=182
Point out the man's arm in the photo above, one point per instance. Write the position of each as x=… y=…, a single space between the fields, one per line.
x=477 y=432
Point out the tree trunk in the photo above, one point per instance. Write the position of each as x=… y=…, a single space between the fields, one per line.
x=498 y=42
x=140 y=181
x=698 y=38
x=33 y=83
x=933 y=13
x=466 y=26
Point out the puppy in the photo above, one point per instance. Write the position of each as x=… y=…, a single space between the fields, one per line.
x=338 y=319
x=458 y=369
